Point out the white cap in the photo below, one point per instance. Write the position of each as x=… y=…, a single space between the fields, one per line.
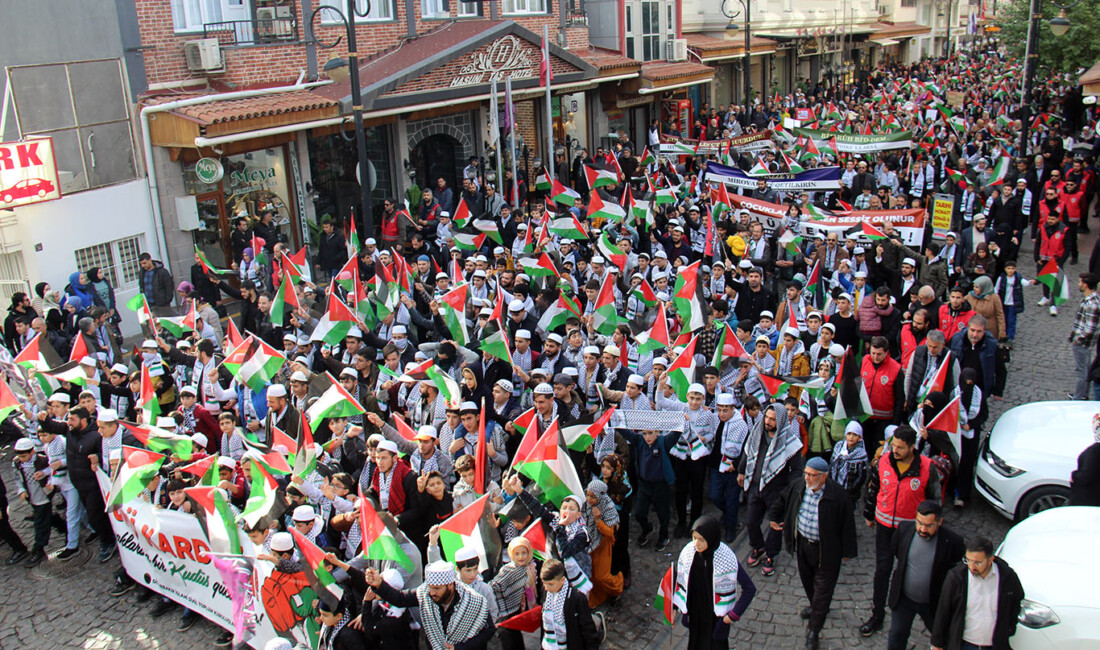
x=767 y=314
x=303 y=513
x=479 y=273
x=660 y=361
x=505 y=384
x=598 y=259
x=858 y=250
x=571 y=371
x=744 y=264
x=613 y=350
x=499 y=250
x=910 y=261
x=836 y=350
x=349 y=372
x=87 y=361
x=189 y=390
x=388 y=445
x=303 y=339
x=149 y=343
x=697 y=388
x=227 y=461
x=724 y=399
x=465 y=554
x=199 y=439
x=660 y=253
x=166 y=423
x=299 y=376
x=590 y=349
x=370 y=242
x=846 y=296
x=399 y=329
x=544 y=389
x=426 y=432
x=183 y=344
x=523 y=334
x=355 y=332
x=276 y=390
x=120 y=369
x=60 y=398
x=107 y=415
x=282 y=542
x=791 y=331
x=24 y=444
x=516 y=305
x=860 y=274
x=290 y=337
x=830 y=327
x=555 y=337
x=439 y=573
x=636 y=379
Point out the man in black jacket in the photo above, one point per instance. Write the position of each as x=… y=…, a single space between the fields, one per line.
x=992 y=621
x=82 y=440
x=819 y=529
x=925 y=550
x=155 y=282
x=332 y=251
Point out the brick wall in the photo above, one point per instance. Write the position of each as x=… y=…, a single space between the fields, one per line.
x=525 y=125
x=268 y=64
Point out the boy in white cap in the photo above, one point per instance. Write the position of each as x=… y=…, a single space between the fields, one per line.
x=691 y=451
x=34 y=488
x=422 y=451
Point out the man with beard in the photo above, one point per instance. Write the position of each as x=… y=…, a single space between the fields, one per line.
x=913 y=334
x=925 y=550
x=452 y=614
x=771 y=460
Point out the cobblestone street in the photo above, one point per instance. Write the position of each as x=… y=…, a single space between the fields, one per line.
x=65 y=604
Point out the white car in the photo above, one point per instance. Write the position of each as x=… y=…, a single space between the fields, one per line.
x=1025 y=464
x=1054 y=553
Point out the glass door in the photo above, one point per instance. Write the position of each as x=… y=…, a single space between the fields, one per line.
x=212 y=236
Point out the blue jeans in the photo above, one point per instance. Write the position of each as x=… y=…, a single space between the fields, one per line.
x=1010 y=322
x=725 y=493
x=1082 y=360
x=75 y=517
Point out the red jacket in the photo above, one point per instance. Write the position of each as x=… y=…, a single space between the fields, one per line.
x=879 y=383
x=949 y=324
x=909 y=343
x=1052 y=245
x=899 y=496
x=1071 y=206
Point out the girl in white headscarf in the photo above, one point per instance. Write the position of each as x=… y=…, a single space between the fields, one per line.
x=603 y=523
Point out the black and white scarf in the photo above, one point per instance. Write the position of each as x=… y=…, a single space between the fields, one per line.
x=329 y=634
x=471 y=613
x=724 y=579
x=553 y=619
x=786 y=443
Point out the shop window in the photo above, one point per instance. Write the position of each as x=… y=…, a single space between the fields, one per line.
x=524 y=6
x=118 y=259
x=380 y=10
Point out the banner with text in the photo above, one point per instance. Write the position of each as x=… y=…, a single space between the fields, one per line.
x=855 y=143
x=677 y=146
x=821 y=178
x=909 y=224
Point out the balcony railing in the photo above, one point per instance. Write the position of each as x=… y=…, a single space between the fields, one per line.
x=574 y=12
x=258 y=31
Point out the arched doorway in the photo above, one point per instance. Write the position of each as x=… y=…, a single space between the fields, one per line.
x=437 y=156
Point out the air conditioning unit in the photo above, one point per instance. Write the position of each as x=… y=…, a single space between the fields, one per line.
x=203 y=55
x=677 y=49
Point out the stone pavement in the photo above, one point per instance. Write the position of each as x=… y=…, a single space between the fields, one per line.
x=65 y=605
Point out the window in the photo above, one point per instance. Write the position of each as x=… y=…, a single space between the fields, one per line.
x=434 y=9
x=630 y=31
x=13 y=276
x=908 y=3
x=468 y=9
x=524 y=6
x=651 y=31
x=191 y=15
x=379 y=10
x=118 y=259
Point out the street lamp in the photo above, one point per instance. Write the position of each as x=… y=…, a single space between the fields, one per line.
x=339 y=69
x=1058 y=27
x=746 y=69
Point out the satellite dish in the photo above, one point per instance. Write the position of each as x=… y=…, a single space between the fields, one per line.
x=371 y=173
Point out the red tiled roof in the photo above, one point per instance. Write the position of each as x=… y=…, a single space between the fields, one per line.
x=710 y=45
x=249 y=108
x=603 y=59
x=663 y=71
x=898 y=30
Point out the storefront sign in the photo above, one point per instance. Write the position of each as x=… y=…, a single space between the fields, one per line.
x=28 y=173
x=943 y=208
x=504 y=57
x=821 y=178
x=253 y=179
x=209 y=170
x=855 y=143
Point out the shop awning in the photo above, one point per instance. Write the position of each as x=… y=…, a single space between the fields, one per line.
x=658 y=76
x=884 y=42
x=1090 y=81
x=710 y=50
x=180 y=127
x=456 y=63
x=898 y=30
x=609 y=63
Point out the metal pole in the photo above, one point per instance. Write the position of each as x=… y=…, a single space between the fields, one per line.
x=512 y=144
x=1031 y=58
x=748 y=62
x=947 y=45
x=360 y=134
x=549 y=157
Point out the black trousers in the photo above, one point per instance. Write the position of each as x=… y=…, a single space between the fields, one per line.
x=901 y=621
x=97 y=515
x=44 y=519
x=620 y=552
x=884 y=565
x=691 y=476
x=874 y=432
x=655 y=493
x=819 y=576
x=756 y=511
x=964 y=473
x=7 y=533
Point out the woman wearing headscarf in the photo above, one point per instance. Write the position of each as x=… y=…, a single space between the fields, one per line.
x=515 y=587
x=568 y=529
x=102 y=293
x=45 y=299
x=972 y=415
x=985 y=301
x=613 y=473
x=707 y=577
x=848 y=464
x=603 y=520
x=78 y=288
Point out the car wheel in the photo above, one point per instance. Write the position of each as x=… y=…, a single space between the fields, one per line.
x=1040 y=499
x=41 y=193
x=8 y=198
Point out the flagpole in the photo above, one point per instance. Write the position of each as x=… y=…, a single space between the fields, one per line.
x=499 y=144
x=549 y=156
x=512 y=144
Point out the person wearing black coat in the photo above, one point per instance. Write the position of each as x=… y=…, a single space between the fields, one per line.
x=951 y=613
x=947 y=551
x=819 y=547
x=1084 y=485
x=332 y=250
x=580 y=628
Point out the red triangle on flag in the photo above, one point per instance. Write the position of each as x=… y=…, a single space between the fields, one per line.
x=948 y=418
x=465 y=521
x=536 y=534
x=279 y=437
x=407 y=432
x=529 y=621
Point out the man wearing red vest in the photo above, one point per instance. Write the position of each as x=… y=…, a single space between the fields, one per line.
x=956 y=313
x=900 y=482
x=1051 y=242
x=1071 y=197
x=884 y=382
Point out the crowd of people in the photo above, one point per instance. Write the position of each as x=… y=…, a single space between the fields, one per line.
x=845 y=350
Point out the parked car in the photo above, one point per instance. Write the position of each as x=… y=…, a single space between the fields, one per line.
x=1025 y=464
x=25 y=188
x=1054 y=553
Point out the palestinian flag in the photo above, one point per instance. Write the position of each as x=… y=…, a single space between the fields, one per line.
x=720 y=198
x=542 y=181
x=775 y=386
x=527 y=443
x=833 y=147
x=496 y=345
x=657 y=337
x=645 y=294
x=462 y=214
x=529 y=621
x=526 y=420
x=206 y=469
x=611 y=251
x=160 y=440
x=274 y=461
x=254 y=363
x=207 y=267
x=1055 y=279
x=536 y=534
x=378 y=542
x=790 y=240
x=263 y=498
x=579 y=437
x=956 y=176
x=234 y=336
x=809 y=150
x=468 y=242
x=138 y=467
x=681 y=373
x=489 y=228
x=604 y=315
x=280 y=439
x=852 y=400
x=211 y=507
x=80 y=348
x=729 y=348
x=556 y=315
x=568 y=227
x=550 y=467
x=452 y=308
x=258 y=249
x=792 y=166
x=947 y=419
x=313 y=565
x=759 y=168
x=600 y=177
x=870 y=231
x=305 y=457
x=403 y=428
x=178 y=326
x=351 y=239
x=40 y=356
x=335 y=323
x=663 y=601
x=296 y=265
x=446 y=384
x=647 y=157
x=938 y=380
x=688 y=298
x=814 y=285
x=9 y=403
x=335 y=402
x=665 y=196
x=561 y=194
x=463 y=530
x=538 y=267
x=70 y=372
x=1000 y=170
x=609 y=210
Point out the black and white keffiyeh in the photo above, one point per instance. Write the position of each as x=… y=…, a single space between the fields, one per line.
x=786 y=443
x=608 y=513
x=329 y=634
x=470 y=615
x=553 y=619
x=724 y=578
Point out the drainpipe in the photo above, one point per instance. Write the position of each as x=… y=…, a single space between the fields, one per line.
x=562 y=8
x=147 y=146
x=410 y=17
